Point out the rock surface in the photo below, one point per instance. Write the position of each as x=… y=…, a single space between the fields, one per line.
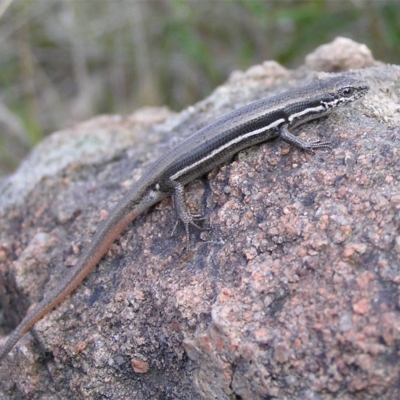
x=292 y=292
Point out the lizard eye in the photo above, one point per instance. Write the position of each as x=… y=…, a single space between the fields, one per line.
x=347 y=92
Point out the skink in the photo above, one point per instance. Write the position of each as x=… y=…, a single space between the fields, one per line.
x=201 y=152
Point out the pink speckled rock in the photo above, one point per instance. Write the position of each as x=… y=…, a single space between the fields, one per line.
x=292 y=292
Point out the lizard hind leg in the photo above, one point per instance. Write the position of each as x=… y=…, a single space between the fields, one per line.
x=183 y=213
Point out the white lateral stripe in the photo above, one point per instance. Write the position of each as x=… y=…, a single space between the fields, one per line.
x=225 y=146
x=306 y=111
x=333 y=103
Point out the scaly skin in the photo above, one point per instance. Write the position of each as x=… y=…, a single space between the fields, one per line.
x=211 y=146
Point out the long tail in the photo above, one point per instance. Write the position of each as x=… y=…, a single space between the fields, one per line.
x=129 y=208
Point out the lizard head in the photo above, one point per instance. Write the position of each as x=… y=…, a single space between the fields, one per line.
x=341 y=90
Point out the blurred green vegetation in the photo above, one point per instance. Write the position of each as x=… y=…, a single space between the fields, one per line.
x=63 y=61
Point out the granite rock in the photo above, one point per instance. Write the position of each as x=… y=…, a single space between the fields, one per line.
x=292 y=291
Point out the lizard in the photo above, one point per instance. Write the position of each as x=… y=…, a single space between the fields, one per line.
x=206 y=149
